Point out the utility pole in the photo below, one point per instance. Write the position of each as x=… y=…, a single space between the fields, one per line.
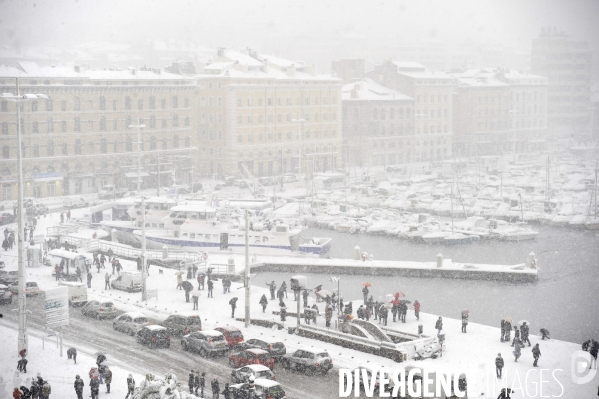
x=144 y=268
x=247 y=271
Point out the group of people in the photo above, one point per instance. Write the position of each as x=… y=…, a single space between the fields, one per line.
x=9 y=239
x=197 y=382
x=39 y=389
x=68 y=216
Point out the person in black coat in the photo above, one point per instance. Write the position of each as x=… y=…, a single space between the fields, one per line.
x=215 y=388
x=508 y=331
x=35 y=389
x=79 y=384
x=499 y=365
x=305 y=296
x=233 y=303
x=536 y=353
x=72 y=354
x=130 y=386
x=263 y=303
x=196 y=382
x=394 y=311
x=226 y=392
x=191 y=381
x=210 y=288
x=94 y=386
x=524 y=331
x=516 y=335
x=439 y=325
x=25 y=393
x=284 y=289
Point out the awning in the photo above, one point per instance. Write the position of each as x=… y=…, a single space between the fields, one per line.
x=134 y=174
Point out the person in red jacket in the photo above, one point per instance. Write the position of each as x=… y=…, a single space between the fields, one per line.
x=16 y=394
x=417 y=309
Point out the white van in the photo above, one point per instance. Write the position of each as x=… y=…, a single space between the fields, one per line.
x=128 y=281
x=77 y=292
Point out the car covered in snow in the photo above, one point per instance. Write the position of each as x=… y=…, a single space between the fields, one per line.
x=308 y=360
x=252 y=356
x=9 y=277
x=181 y=324
x=154 y=336
x=256 y=371
x=130 y=322
x=5 y=295
x=233 y=335
x=31 y=288
x=276 y=349
x=263 y=389
x=209 y=342
x=99 y=310
x=75 y=202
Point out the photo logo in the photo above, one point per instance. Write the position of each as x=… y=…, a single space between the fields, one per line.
x=579 y=366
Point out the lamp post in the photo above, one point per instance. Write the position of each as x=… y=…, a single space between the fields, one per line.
x=18 y=99
x=513 y=111
x=300 y=120
x=144 y=269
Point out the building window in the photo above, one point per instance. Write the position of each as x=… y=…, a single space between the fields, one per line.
x=4 y=128
x=102 y=123
x=152 y=104
x=115 y=124
x=36 y=150
x=64 y=148
x=176 y=141
x=128 y=121
x=4 y=105
x=153 y=143
x=175 y=102
x=34 y=127
x=63 y=126
x=186 y=103
x=50 y=148
x=152 y=122
x=374 y=113
x=164 y=144
x=76 y=104
x=102 y=103
x=129 y=144
x=164 y=123
x=140 y=104
x=175 y=120
x=114 y=105
x=6 y=152
x=127 y=102
x=34 y=106
x=187 y=142
x=187 y=121
x=78 y=147
x=163 y=103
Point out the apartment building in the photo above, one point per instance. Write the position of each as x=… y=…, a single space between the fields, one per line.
x=378 y=125
x=82 y=139
x=432 y=92
x=266 y=115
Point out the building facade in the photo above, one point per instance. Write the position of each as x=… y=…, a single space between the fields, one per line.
x=432 y=92
x=252 y=108
x=567 y=64
x=82 y=139
x=378 y=125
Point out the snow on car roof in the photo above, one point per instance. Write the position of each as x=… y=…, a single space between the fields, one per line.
x=134 y=314
x=212 y=333
x=256 y=351
x=265 y=382
x=227 y=328
x=313 y=350
x=155 y=327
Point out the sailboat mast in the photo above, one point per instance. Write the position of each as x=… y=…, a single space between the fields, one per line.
x=451 y=199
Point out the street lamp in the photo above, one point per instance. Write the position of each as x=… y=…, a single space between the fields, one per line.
x=18 y=99
x=513 y=111
x=144 y=269
x=300 y=120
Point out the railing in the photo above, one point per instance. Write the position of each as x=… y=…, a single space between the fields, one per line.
x=61 y=230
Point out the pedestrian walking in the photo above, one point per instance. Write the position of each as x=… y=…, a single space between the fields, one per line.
x=79 y=384
x=179 y=281
x=498 y=365
x=272 y=287
x=394 y=310
x=189 y=272
x=107 y=378
x=280 y=294
x=210 y=288
x=545 y=334
x=524 y=332
x=536 y=353
x=361 y=313
x=16 y=394
x=283 y=313
x=61 y=218
x=106 y=281
x=194 y=270
x=464 y=321
x=26 y=393
x=305 y=297
x=233 y=303
x=35 y=389
x=365 y=294
x=46 y=390
x=195 y=302
x=367 y=313
x=94 y=386
x=72 y=354
x=215 y=388
x=516 y=335
x=119 y=267
x=89 y=280
x=191 y=381
x=130 y=386
x=384 y=314
x=198 y=279
x=328 y=314
x=202 y=279
x=69 y=215
x=57 y=272
x=502 y=330
x=22 y=365
x=417 y=309
x=202 y=384
x=439 y=325
x=263 y=302
x=284 y=288
x=508 y=331
x=517 y=352
x=227 y=394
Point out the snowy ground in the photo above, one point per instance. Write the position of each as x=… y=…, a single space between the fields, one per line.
x=473 y=352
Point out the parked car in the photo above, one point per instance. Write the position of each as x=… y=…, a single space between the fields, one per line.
x=209 y=342
x=7 y=218
x=5 y=295
x=233 y=335
x=256 y=371
x=289 y=178
x=263 y=389
x=130 y=322
x=276 y=349
x=9 y=277
x=127 y=281
x=308 y=360
x=74 y=202
x=99 y=310
x=251 y=356
x=31 y=288
x=181 y=324
x=154 y=336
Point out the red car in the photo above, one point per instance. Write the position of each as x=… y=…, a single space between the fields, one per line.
x=252 y=356
x=232 y=335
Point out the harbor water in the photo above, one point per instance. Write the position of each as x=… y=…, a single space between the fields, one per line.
x=564 y=300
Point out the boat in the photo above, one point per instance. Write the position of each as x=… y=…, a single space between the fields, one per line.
x=459 y=238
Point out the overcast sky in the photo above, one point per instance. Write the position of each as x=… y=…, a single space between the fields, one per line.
x=256 y=22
